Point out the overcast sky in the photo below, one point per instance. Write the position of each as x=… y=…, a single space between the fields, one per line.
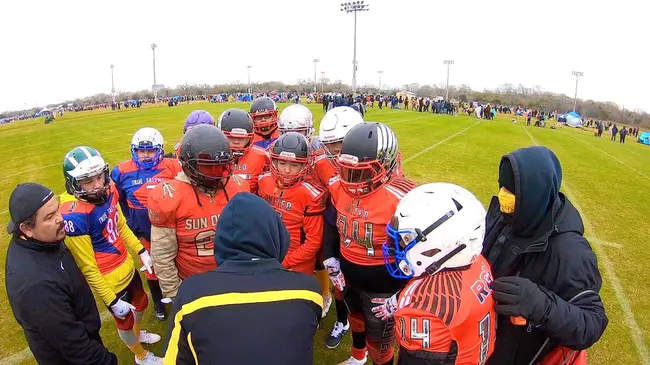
x=56 y=50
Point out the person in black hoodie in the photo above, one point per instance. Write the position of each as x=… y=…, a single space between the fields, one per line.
x=47 y=292
x=250 y=310
x=546 y=275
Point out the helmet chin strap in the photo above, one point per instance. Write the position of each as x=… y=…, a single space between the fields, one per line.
x=434 y=267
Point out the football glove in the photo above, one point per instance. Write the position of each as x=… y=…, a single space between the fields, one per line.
x=146 y=261
x=333 y=267
x=121 y=308
x=386 y=308
x=519 y=297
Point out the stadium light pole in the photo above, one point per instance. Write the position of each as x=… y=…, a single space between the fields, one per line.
x=316 y=60
x=448 y=63
x=380 y=72
x=354 y=7
x=577 y=74
x=322 y=76
x=112 y=84
x=250 y=89
x=155 y=89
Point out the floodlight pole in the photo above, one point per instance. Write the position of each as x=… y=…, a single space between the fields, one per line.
x=250 y=89
x=577 y=74
x=380 y=72
x=155 y=89
x=354 y=7
x=316 y=60
x=322 y=76
x=448 y=63
x=112 y=84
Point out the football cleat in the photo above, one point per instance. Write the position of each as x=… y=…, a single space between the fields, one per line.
x=335 y=337
x=148 y=338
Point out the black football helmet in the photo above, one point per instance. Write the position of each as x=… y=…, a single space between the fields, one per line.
x=368 y=158
x=205 y=157
x=291 y=147
x=237 y=123
x=265 y=115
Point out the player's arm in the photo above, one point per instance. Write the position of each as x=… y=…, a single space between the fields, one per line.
x=331 y=236
x=81 y=248
x=313 y=228
x=423 y=338
x=115 y=176
x=164 y=242
x=177 y=344
x=130 y=240
x=52 y=312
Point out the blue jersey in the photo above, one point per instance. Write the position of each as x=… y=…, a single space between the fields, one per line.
x=134 y=185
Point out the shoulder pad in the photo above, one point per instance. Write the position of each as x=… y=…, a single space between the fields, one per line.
x=315 y=190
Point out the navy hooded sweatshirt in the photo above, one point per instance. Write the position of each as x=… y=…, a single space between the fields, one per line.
x=249 y=310
x=543 y=241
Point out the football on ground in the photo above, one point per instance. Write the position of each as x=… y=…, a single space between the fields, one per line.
x=608 y=181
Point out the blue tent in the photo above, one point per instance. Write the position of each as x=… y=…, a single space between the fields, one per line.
x=644 y=138
x=573 y=119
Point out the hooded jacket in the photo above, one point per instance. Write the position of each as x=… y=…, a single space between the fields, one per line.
x=543 y=241
x=249 y=310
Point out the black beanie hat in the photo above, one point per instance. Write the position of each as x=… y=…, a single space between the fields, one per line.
x=506 y=176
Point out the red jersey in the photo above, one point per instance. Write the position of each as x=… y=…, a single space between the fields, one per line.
x=447 y=314
x=301 y=207
x=362 y=221
x=251 y=165
x=323 y=170
x=193 y=215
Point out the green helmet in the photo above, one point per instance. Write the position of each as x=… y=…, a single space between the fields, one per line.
x=83 y=163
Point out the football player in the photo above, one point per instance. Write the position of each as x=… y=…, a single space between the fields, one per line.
x=98 y=236
x=197 y=117
x=184 y=211
x=249 y=161
x=445 y=315
x=299 y=119
x=333 y=128
x=300 y=203
x=365 y=195
x=265 y=121
x=134 y=178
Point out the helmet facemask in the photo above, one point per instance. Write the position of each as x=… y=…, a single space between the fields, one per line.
x=97 y=196
x=361 y=178
x=284 y=179
x=239 y=133
x=206 y=172
x=265 y=122
x=149 y=162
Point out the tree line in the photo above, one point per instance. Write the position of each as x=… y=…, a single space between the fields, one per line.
x=506 y=94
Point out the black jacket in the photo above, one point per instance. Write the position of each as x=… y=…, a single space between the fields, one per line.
x=250 y=310
x=543 y=241
x=53 y=304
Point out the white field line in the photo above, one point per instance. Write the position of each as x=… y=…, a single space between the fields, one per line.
x=610 y=272
x=438 y=144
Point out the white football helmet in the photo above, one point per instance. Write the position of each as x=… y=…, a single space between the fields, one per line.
x=336 y=123
x=435 y=226
x=297 y=118
x=147 y=138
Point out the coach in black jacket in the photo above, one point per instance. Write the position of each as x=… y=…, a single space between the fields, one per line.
x=48 y=294
x=541 y=262
x=250 y=310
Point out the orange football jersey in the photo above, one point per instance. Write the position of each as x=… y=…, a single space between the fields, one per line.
x=362 y=221
x=301 y=207
x=251 y=165
x=323 y=170
x=194 y=215
x=450 y=315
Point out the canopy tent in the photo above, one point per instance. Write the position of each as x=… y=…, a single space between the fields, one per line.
x=44 y=110
x=644 y=138
x=573 y=119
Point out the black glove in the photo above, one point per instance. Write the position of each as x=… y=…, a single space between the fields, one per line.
x=519 y=297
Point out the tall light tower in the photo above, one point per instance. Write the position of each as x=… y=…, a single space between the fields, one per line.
x=250 y=89
x=112 y=84
x=155 y=89
x=577 y=74
x=316 y=60
x=354 y=7
x=322 y=77
x=447 y=62
x=380 y=72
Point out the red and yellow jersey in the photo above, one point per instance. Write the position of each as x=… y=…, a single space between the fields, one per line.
x=265 y=143
x=362 y=221
x=134 y=184
x=448 y=316
x=192 y=216
x=301 y=207
x=97 y=236
x=251 y=165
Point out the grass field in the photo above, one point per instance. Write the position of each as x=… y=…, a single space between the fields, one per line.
x=608 y=181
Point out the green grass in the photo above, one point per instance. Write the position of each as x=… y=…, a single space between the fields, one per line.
x=609 y=181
